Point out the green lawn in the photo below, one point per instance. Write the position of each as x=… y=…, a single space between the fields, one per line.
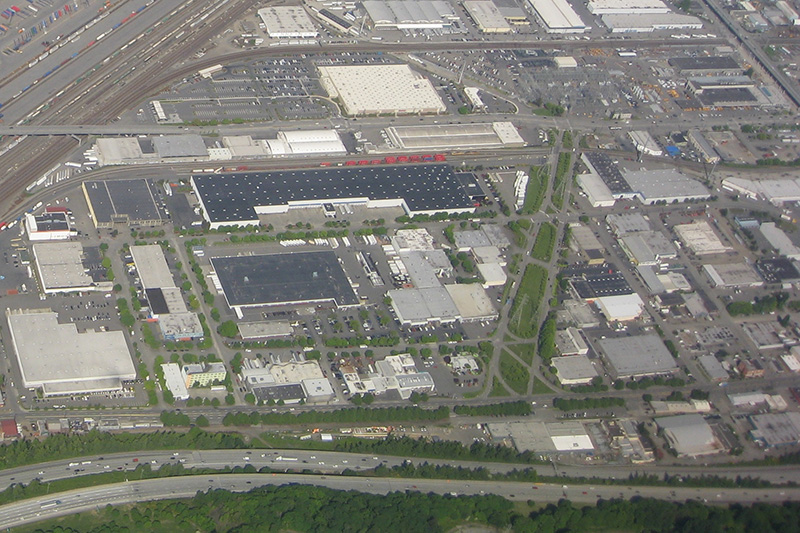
x=514 y=373
x=540 y=387
x=497 y=389
x=534 y=194
x=525 y=351
x=543 y=246
x=524 y=312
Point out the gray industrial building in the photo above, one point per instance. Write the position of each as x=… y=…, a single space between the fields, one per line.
x=283 y=279
x=417 y=307
x=131 y=202
x=637 y=356
x=689 y=435
x=60 y=268
x=241 y=197
x=63 y=361
x=776 y=429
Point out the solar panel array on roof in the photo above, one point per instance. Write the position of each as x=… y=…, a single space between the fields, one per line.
x=594 y=281
x=424 y=188
x=733 y=95
x=156 y=302
x=51 y=222
x=711 y=63
x=132 y=201
x=278 y=279
x=778 y=270
x=608 y=172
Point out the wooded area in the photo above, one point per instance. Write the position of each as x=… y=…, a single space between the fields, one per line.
x=316 y=509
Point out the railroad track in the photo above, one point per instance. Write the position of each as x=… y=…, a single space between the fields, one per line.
x=104 y=102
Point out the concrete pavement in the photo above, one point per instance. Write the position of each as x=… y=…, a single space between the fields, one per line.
x=51 y=506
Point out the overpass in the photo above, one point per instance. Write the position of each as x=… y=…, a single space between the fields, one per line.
x=90 y=129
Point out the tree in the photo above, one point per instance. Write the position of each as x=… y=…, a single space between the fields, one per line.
x=228 y=329
x=202 y=422
x=250 y=398
x=215 y=314
x=127 y=320
x=230 y=400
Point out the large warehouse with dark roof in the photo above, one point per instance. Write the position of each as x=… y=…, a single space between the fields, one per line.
x=130 y=202
x=283 y=279
x=240 y=197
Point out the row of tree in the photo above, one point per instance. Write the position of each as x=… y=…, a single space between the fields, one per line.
x=358 y=414
x=446 y=449
x=519 y=408
x=575 y=404
x=61 y=446
x=319 y=509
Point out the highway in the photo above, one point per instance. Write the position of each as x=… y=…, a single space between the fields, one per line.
x=336 y=462
x=51 y=506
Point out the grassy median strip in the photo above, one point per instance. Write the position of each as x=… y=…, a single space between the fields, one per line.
x=559 y=180
x=534 y=193
x=514 y=373
x=543 y=246
x=524 y=312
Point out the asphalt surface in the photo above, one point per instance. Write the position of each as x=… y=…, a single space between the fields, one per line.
x=336 y=462
x=51 y=506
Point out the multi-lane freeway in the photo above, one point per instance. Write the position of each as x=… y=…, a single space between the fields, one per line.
x=337 y=462
x=75 y=501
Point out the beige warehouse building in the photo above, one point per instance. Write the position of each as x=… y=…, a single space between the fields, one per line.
x=381 y=89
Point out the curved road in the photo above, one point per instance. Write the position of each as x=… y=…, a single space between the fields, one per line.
x=336 y=462
x=51 y=506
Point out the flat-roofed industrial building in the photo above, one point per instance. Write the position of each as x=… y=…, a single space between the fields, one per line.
x=241 y=197
x=63 y=361
x=732 y=275
x=417 y=307
x=574 y=369
x=689 y=435
x=283 y=279
x=410 y=15
x=381 y=89
x=638 y=356
x=131 y=202
x=60 y=268
x=701 y=238
x=287 y=22
x=456 y=136
x=626 y=7
x=151 y=266
x=558 y=16
x=486 y=16
x=650 y=22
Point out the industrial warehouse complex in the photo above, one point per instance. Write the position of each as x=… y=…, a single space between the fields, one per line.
x=379 y=89
x=282 y=279
x=557 y=230
x=241 y=198
x=63 y=361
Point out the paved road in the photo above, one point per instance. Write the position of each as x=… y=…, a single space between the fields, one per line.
x=335 y=462
x=75 y=501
